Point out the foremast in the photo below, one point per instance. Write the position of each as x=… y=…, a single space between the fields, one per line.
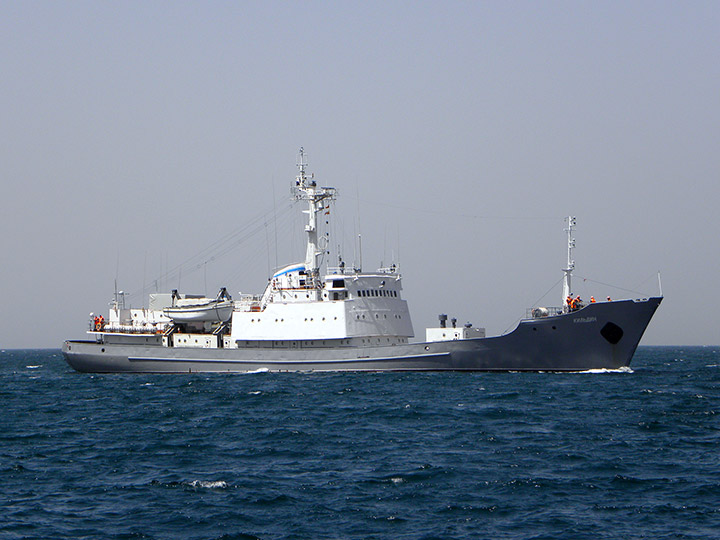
x=318 y=199
x=567 y=279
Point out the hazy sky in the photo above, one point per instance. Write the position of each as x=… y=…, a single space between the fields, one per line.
x=155 y=143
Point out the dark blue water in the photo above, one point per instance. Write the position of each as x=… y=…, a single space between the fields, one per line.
x=387 y=456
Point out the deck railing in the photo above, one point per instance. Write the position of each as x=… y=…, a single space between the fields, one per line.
x=127 y=329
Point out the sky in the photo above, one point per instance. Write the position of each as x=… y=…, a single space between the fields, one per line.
x=152 y=145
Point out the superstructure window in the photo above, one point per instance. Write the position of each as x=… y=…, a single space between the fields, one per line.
x=338 y=283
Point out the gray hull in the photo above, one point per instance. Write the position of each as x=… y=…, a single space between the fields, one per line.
x=599 y=336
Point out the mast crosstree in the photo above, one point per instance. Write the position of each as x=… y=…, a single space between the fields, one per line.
x=306 y=189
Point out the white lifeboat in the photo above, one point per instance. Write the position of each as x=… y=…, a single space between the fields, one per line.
x=201 y=309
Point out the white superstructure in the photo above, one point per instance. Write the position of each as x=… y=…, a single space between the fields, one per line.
x=342 y=307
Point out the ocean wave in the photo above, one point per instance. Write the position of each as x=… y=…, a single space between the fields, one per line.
x=208 y=484
x=195 y=484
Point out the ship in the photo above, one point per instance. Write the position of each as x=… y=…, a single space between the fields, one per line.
x=314 y=317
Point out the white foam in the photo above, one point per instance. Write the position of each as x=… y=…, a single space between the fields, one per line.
x=624 y=369
x=261 y=370
x=209 y=484
x=32 y=367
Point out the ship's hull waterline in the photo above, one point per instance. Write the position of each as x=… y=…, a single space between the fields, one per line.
x=600 y=336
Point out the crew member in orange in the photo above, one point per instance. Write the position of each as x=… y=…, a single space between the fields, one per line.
x=609 y=299
x=592 y=299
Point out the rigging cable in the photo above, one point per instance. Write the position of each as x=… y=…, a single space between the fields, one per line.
x=217 y=249
x=514 y=323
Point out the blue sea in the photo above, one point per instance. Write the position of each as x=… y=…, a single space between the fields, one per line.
x=599 y=455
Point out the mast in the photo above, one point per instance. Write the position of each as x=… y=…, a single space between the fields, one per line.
x=567 y=289
x=307 y=189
